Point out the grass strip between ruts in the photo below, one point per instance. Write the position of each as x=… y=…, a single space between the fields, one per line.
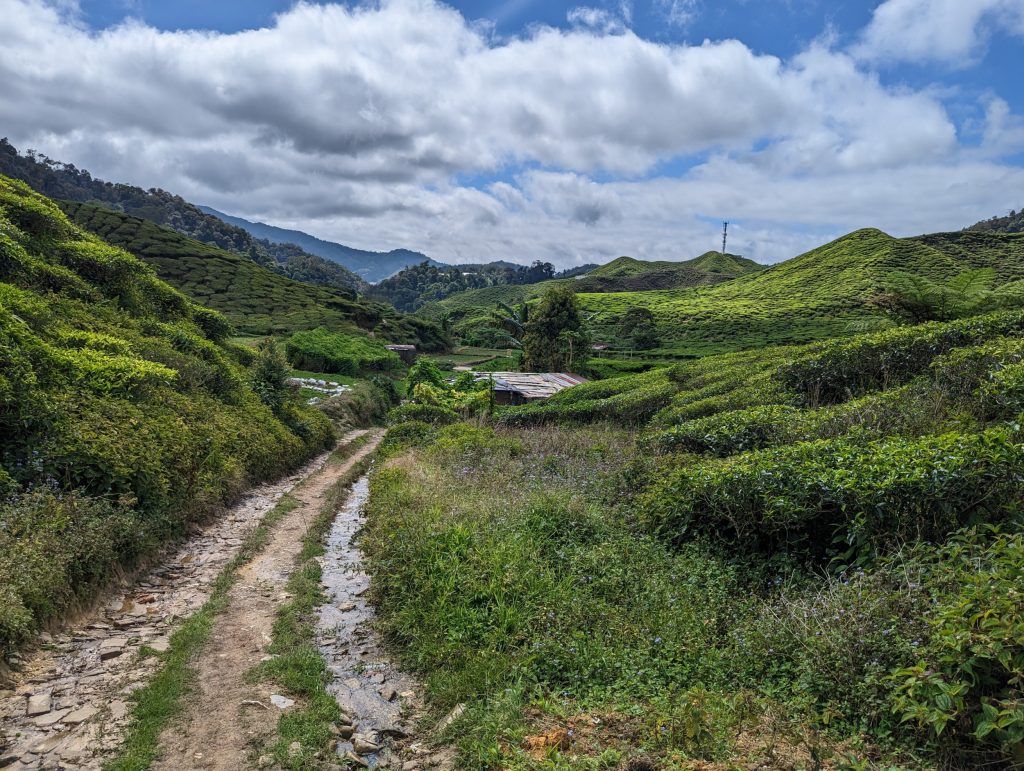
x=161 y=699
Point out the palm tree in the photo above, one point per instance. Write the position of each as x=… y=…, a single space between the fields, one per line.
x=511 y=320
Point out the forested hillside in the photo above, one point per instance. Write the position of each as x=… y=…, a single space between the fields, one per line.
x=418 y=285
x=67 y=183
x=1011 y=223
x=125 y=414
x=369 y=266
x=255 y=300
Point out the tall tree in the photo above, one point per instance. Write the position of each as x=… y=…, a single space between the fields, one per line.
x=555 y=338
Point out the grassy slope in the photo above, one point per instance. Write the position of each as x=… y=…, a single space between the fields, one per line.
x=256 y=300
x=624 y=274
x=124 y=414
x=696 y=603
x=809 y=297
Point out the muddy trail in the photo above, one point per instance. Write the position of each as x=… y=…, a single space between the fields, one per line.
x=69 y=705
x=228 y=718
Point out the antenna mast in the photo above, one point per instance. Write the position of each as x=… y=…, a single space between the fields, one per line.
x=725 y=235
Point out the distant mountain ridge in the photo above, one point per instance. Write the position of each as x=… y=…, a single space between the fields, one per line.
x=370 y=266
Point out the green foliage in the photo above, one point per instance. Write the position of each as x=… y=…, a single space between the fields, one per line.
x=425 y=413
x=424 y=370
x=841 y=369
x=322 y=351
x=637 y=330
x=554 y=337
x=269 y=373
x=807 y=298
x=919 y=298
x=839 y=497
x=253 y=298
x=365 y=404
x=967 y=681
x=123 y=414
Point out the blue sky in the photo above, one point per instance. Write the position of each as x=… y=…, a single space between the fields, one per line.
x=530 y=128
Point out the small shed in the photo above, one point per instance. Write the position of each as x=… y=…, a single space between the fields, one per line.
x=523 y=387
x=600 y=346
x=407 y=353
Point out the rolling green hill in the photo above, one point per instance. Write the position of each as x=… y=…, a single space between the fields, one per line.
x=254 y=299
x=622 y=275
x=64 y=182
x=813 y=296
x=124 y=412
x=731 y=265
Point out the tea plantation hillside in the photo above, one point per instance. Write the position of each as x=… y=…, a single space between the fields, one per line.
x=814 y=296
x=124 y=413
x=254 y=299
x=470 y=309
x=64 y=182
x=793 y=557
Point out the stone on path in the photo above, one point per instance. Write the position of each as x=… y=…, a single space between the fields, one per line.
x=81 y=714
x=112 y=647
x=38 y=704
x=51 y=717
x=281 y=702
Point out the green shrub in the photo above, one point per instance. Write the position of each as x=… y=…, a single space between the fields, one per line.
x=836 y=496
x=965 y=687
x=728 y=433
x=843 y=369
x=319 y=350
x=963 y=374
x=911 y=410
x=1003 y=395
x=406 y=435
x=426 y=413
x=366 y=403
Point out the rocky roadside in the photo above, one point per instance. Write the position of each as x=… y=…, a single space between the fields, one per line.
x=380 y=703
x=230 y=715
x=68 y=704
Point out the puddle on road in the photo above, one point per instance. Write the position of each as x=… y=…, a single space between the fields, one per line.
x=367 y=686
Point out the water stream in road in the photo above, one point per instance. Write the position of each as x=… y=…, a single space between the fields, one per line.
x=370 y=690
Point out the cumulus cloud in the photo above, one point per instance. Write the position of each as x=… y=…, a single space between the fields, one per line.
x=361 y=123
x=949 y=31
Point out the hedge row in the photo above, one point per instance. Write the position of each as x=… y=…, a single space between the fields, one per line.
x=810 y=496
x=842 y=369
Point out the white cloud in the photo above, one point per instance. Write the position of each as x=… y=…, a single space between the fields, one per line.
x=949 y=31
x=357 y=123
x=599 y=19
x=678 y=12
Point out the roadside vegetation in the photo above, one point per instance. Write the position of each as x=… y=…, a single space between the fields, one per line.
x=800 y=556
x=125 y=412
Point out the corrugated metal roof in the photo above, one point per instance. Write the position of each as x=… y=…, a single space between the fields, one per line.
x=400 y=347
x=532 y=385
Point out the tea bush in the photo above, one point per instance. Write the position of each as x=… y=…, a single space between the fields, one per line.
x=319 y=350
x=123 y=415
x=427 y=413
x=827 y=497
x=843 y=369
